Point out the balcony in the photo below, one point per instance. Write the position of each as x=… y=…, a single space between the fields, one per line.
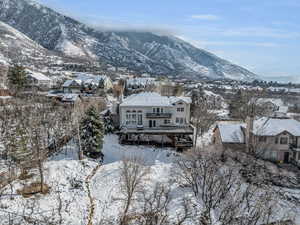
x=159 y=115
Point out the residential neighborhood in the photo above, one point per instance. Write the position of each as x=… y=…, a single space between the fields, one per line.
x=149 y=112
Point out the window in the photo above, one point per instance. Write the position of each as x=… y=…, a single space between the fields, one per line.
x=181 y=120
x=167 y=121
x=180 y=109
x=262 y=139
x=276 y=140
x=283 y=141
x=298 y=155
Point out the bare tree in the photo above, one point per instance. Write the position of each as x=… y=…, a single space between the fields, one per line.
x=222 y=197
x=133 y=174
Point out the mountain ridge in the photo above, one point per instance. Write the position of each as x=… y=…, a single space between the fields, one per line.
x=143 y=52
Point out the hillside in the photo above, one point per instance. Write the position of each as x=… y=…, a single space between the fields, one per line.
x=137 y=51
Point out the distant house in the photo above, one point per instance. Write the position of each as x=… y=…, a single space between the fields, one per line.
x=149 y=117
x=170 y=89
x=71 y=98
x=139 y=84
x=38 y=79
x=270 y=106
x=72 y=86
x=95 y=80
x=271 y=138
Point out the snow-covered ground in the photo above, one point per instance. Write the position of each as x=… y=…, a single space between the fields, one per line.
x=73 y=186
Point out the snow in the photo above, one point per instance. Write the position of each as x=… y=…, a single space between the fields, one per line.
x=232 y=133
x=38 y=76
x=152 y=99
x=70 y=49
x=275 y=101
x=114 y=152
x=274 y=126
x=68 y=83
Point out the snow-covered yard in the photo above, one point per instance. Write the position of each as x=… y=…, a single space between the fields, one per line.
x=67 y=178
x=74 y=184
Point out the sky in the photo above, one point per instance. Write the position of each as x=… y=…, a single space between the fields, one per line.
x=261 y=35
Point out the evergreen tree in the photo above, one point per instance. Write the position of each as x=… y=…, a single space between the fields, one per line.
x=101 y=84
x=17 y=77
x=108 y=124
x=91 y=135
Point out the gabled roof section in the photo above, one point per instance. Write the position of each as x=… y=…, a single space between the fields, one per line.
x=152 y=99
x=71 y=83
x=275 y=126
x=38 y=76
x=232 y=133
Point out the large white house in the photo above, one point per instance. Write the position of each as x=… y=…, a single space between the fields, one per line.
x=150 y=117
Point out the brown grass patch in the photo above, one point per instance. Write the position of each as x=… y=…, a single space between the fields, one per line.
x=33 y=189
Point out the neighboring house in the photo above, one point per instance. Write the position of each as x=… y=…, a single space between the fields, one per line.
x=72 y=87
x=170 y=89
x=95 y=80
x=36 y=79
x=272 y=138
x=214 y=101
x=138 y=84
x=70 y=99
x=271 y=105
x=150 y=117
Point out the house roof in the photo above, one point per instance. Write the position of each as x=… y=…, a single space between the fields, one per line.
x=70 y=97
x=37 y=76
x=275 y=101
x=274 y=126
x=152 y=99
x=141 y=81
x=69 y=83
x=232 y=133
x=87 y=78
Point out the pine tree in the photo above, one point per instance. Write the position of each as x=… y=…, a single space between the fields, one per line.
x=17 y=77
x=91 y=135
x=108 y=124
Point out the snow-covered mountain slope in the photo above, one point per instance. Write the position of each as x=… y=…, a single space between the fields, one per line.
x=137 y=51
x=16 y=47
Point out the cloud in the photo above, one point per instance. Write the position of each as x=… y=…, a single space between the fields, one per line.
x=205 y=17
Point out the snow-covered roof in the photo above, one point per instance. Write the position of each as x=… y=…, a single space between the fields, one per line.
x=283 y=109
x=275 y=101
x=140 y=81
x=274 y=126
x=70 y=97
x=86 y=77
x=232 y=133
x=37 y=76
x=72 y=82
x=152 y=99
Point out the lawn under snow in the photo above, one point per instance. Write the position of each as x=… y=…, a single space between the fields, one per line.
x=67 y=178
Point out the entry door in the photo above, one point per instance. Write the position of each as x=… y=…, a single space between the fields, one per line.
x=286 y=158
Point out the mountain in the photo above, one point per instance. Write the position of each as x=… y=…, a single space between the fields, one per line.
x=16 y=47
x=138 y=51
